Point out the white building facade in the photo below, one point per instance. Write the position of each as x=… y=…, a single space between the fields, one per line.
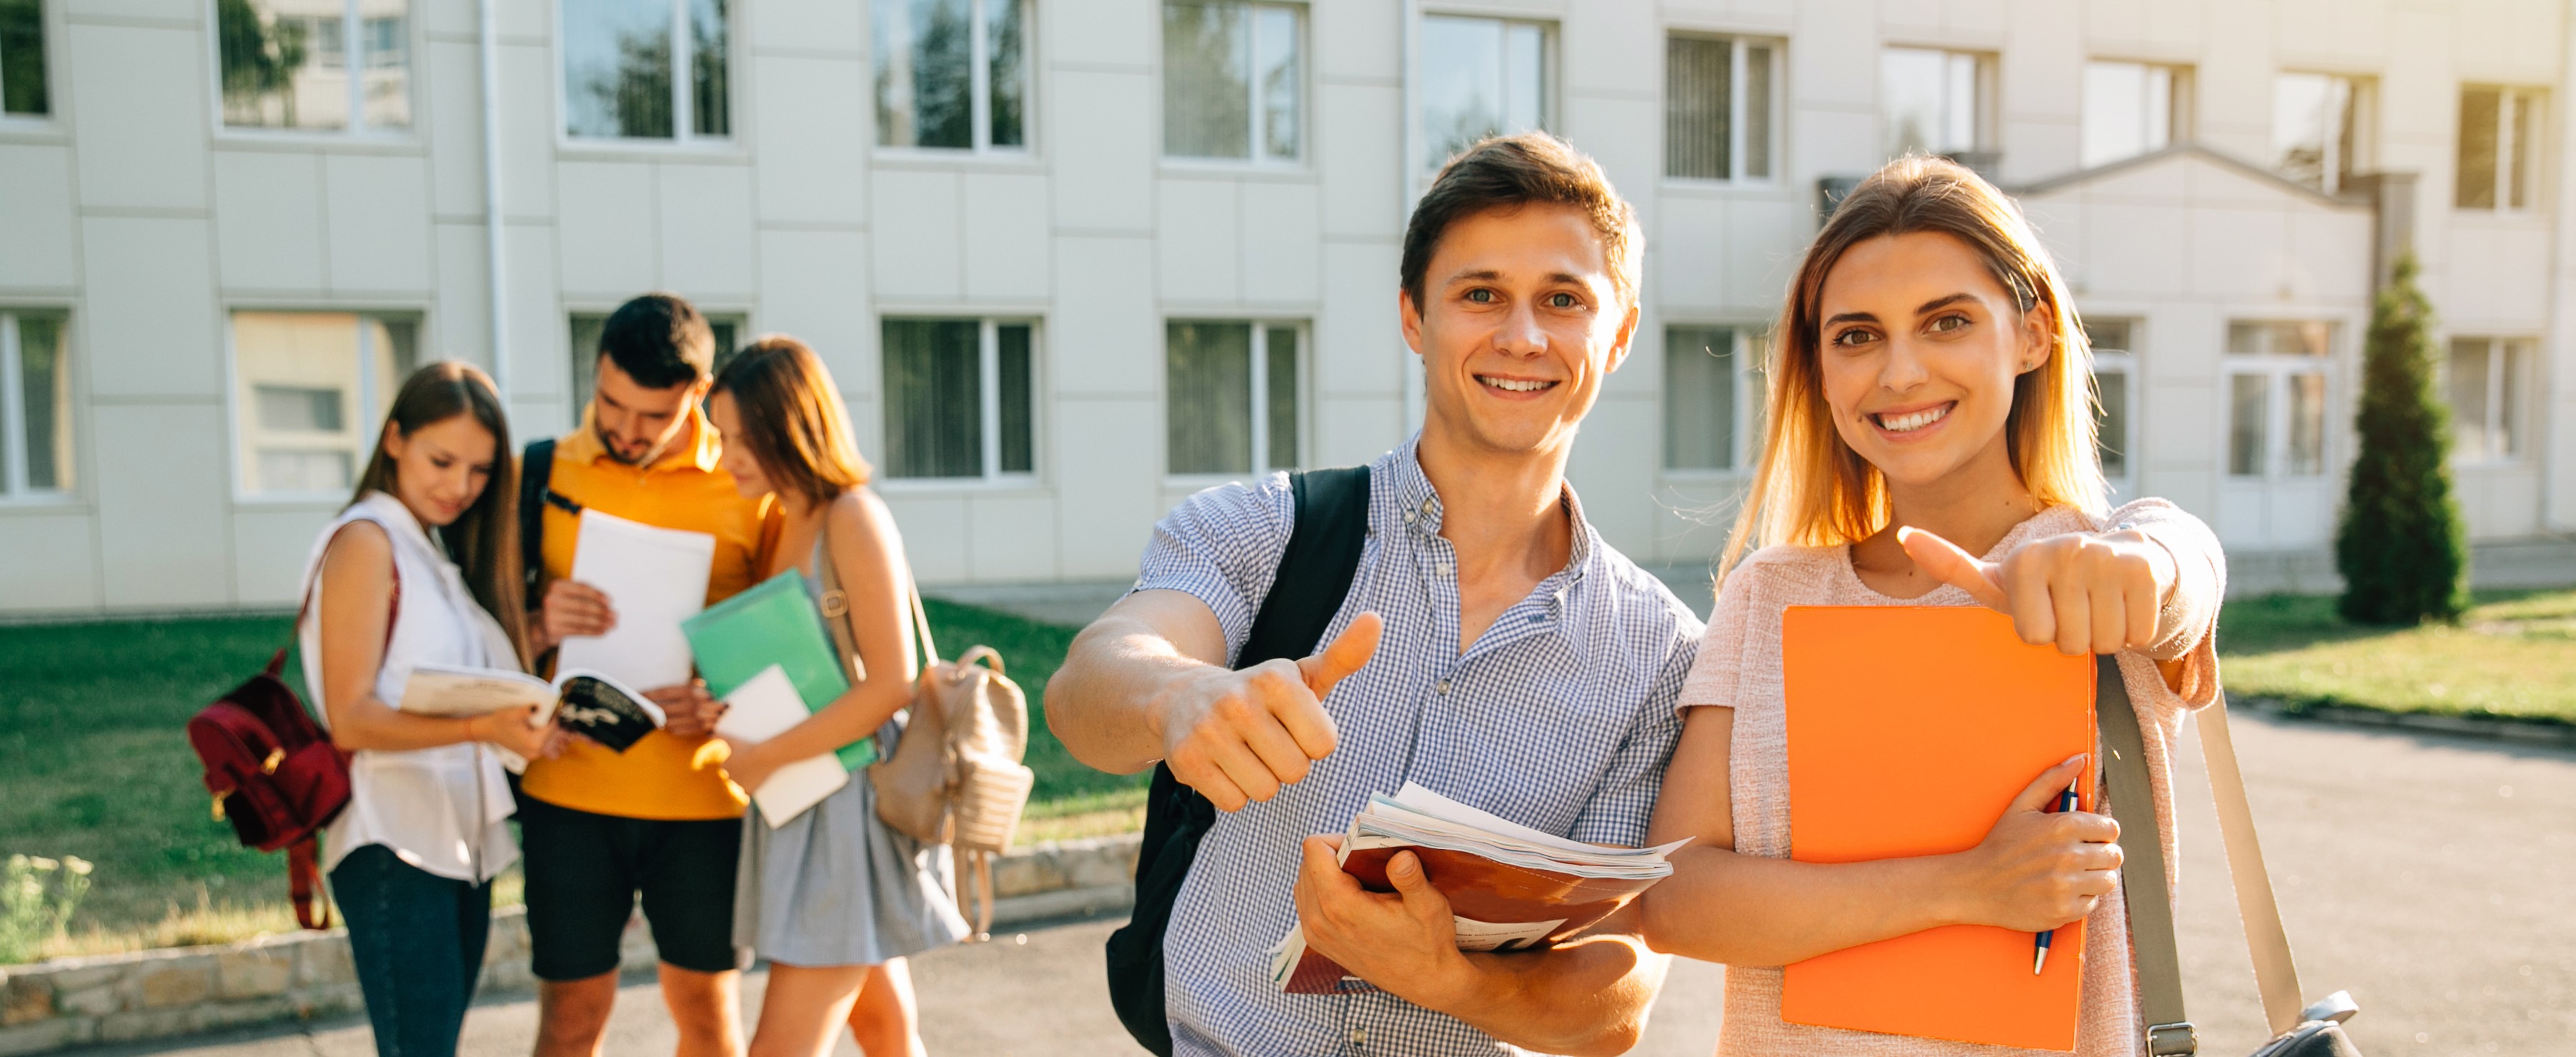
x=1073 y=259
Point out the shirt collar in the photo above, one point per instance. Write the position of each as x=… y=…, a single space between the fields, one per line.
x=391 y=513
x=699 y=450
x=1418 y=506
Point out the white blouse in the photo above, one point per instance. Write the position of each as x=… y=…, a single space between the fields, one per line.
x=442 y=810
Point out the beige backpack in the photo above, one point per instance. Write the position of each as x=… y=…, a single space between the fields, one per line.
x=955 y=777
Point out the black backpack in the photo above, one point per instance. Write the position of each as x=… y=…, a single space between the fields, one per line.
x=1314 y=576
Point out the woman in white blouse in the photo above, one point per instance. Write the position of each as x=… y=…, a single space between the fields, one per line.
x=422 y=566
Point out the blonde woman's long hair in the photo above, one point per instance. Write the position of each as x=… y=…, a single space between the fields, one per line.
x=1811 y=489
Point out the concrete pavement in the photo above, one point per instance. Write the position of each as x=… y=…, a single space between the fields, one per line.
x=2427 y=875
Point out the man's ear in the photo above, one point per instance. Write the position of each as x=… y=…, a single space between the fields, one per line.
x=1627 y=336
x=1409 y=315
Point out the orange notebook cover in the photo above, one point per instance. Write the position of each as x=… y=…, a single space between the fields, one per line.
x=1910 y=730
x=1511 y=907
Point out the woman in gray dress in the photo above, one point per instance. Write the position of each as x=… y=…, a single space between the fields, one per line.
x=833 y=898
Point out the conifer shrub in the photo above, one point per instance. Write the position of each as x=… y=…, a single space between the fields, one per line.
x=2399 y=541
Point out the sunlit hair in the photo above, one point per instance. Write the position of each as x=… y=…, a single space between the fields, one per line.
x=1810 y=488
x=789 y=415
x=484 y=540
x=1506 y=173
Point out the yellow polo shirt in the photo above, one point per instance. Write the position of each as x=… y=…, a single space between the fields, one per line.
x=659 y=777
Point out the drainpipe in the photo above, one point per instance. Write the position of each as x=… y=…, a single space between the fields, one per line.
x=490 y=43
x=1407 y=156
x=2558 y=368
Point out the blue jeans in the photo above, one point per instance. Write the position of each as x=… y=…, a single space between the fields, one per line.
x=417 y=941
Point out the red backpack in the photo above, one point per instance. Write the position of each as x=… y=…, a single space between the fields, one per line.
x=273 y=772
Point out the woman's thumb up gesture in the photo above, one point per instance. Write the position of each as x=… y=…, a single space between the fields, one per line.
x=1237 y=736
x=2086 y=592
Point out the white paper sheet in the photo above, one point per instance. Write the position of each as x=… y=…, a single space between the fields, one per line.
x=654 y=579
x=763 y=708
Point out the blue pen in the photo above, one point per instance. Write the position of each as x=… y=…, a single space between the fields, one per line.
x=2039 y=944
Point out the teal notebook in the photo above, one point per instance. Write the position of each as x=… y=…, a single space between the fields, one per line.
x=773 y=623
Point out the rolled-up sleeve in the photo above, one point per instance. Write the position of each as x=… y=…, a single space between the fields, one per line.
x=1222 y=547
x=2190 y=616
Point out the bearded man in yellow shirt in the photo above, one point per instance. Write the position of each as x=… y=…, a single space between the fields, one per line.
x=658 y=821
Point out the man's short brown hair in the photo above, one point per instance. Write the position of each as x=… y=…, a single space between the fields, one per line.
x=1508 y=172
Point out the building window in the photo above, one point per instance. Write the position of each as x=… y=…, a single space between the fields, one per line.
x=952 y=74
x=1935 y=101
x=646 y=69
x=1231 y=81
x=959 y=399
x=311 y=388
x=1231 y=397
x=2489 y=378
x=35 y=405
x=287 y=64
x=1483 y=77
x=2276 y=408
x=2131 y=108
x=2115 y=367
x=22 y=58
x=586 y=328
x=1712 y=397
x=1717 y=108
x=2499 y=148
x=2319 y=128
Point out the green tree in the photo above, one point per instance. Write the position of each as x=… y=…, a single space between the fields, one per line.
x=2400 y=543
x=259 y=59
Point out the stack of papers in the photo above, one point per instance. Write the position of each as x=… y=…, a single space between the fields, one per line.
x=1509 y=887
x=764 y=707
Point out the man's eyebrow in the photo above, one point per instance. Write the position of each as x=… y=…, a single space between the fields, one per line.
x=1480 y=275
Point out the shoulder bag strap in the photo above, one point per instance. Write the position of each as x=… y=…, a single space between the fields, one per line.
x=2142 y=871
x=1315 y=573
x=536 y=481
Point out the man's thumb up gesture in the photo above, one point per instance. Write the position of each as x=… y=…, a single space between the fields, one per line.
x=2086 y=592
x=1237 y=736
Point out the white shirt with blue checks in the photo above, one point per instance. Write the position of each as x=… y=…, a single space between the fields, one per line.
x=1560 y=717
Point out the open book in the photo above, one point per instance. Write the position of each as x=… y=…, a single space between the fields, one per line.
x=1509 y=887
x=583 y=702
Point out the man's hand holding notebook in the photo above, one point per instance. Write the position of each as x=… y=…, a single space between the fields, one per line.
x=1509 y=887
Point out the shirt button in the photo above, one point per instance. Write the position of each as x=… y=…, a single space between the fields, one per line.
x=1408 y=517
x=1359 y=1036
x=1444 y=687
x=1441 y=568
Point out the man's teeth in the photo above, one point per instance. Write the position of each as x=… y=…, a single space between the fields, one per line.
x=1912 y=421
x=1515 y=385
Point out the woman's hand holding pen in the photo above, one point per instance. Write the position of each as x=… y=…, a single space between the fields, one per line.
x=2087 y=592
x=2037 y=870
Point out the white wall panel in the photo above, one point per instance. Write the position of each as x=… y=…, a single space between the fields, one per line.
x=934 y=532
x=814 y=285
x=608 y=223
x=811 y=151
x=36 y=215
x=916 y=229
x=1104 y=167
x=1105 y=334
x=1281 y=246
x=1108 y=451
x=1198 y=246
x=54 y=561
x=162 y=488
x=1359 y=338
x=143 y=115
x=1356 y=137
x=1005 y=233
x=1011 y=536
x=451 y=102
x=270 y=547
x=152 y=324
x=379 y=223
x=463 y=327
x=268 y=220
x=706 y=230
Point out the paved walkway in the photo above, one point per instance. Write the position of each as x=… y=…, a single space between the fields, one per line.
x=2427 y=875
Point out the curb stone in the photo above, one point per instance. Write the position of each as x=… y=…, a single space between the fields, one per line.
x=2491 y=728
x=71 y=1002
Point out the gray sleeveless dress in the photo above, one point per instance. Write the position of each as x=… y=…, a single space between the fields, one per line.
x=835 y=886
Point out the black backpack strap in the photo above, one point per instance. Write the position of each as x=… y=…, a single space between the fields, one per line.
x=1314 y=577
x=536 y=479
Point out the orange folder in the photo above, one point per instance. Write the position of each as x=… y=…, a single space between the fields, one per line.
x=1910 y=730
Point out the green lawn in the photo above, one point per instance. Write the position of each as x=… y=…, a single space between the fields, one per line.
x=94 y=763
x=2514 y=654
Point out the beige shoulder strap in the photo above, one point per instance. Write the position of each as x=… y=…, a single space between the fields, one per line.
x=2275 y=974
x=836 y=612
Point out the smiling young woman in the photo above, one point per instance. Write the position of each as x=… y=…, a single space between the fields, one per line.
x=1929 y=384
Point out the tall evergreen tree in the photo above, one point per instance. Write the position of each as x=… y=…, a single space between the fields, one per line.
x=2400 y=543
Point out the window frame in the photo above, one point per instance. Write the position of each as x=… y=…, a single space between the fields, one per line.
x=1987 y=135
x=46 y=41
x=2124 y=362
x=1551 y=96
x=2529 y=158
x=979 y=59
x=988 y=350
x=352 y=45
x=14 y=490
x=1258 y=159
x=684 y=136
x=1776 y=123
x=1750 y=392
x=369 y=416
x=2363 y=113
x=2179 y=113
x=2277 y=368
x=1258 y=364
x=2501 y=423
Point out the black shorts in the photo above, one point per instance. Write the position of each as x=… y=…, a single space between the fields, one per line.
x=584 y=872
